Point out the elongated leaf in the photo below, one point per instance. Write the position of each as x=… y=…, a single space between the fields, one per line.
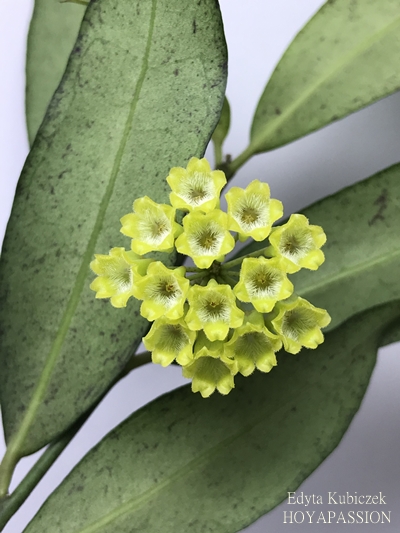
x=185 y=464
x=142 y=92
x=362 y=264
x=345 y=58
x=52 y=34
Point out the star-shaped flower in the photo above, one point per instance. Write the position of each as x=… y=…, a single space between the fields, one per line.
x=116 y=273
x=163 y=291
x=205 y=237
x=210 y=369
x=151 y=226
x=298 y=244
x=196 y=187
x=170 y=340
x=299 y=324
x=251 y=212
x=262 y=282
x=213 y=309
x=253 y=346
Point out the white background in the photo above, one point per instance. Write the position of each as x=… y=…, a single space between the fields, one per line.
x=257 y=31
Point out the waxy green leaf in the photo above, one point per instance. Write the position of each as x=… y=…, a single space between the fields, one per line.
x=345 y=58
x=362 y=252
x=183 y=463
x=142 y=92
x=52 y=34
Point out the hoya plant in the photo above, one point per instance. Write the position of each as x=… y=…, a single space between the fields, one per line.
x=123 y=233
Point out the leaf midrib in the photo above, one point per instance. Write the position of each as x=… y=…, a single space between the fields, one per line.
x=348 y=272
x=19 y=438
x=258 y=141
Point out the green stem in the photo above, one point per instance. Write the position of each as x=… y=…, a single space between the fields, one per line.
x=205 y=280
x=7 y=468
x=197 y=276
x=231 y=281
x=194 y=269
x=233 y=273
x=218 y=154
x=239 y=260
x=9 y=505
x=231 y=168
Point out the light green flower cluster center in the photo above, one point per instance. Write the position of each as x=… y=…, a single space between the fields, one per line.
x=215 y=319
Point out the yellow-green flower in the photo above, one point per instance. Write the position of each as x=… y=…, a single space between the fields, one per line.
x=263 y=283
x=213 y=309
x=196 y=186
x=151 y=226
x=299 y=324
x=253 y=345
x=116 y=273
x=251 y=211
x=205 y=237
x=210 y=369
x=170 y=340
x=163 y=291
x=298 y=244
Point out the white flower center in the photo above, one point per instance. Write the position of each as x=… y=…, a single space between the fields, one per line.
x=154 y=227
x=196 y=189
x=263 y=282
x=214 y=307
x=206 y=239
x=251 y=211
x=296 y=245
x=121 y=275
x=164 y=290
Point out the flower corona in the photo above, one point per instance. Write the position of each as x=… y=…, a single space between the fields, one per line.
x=216 y=319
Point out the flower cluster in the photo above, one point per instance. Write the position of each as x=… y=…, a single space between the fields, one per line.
x=215 y=319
